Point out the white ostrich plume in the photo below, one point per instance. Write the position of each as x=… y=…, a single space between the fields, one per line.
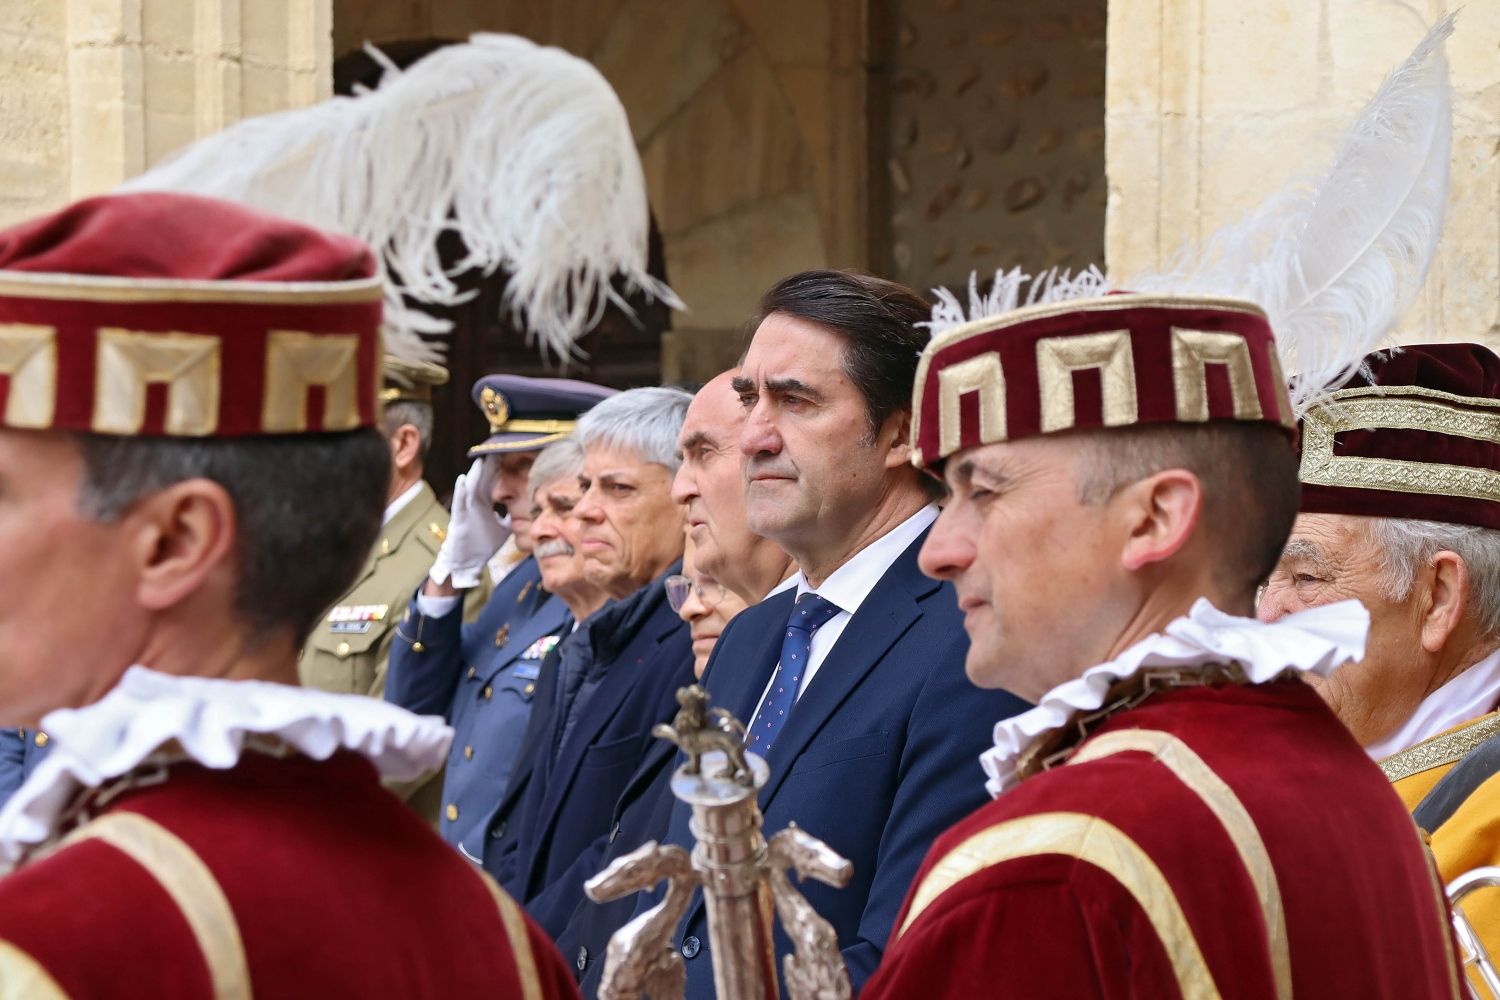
x=1333 y=262
x=522 y=151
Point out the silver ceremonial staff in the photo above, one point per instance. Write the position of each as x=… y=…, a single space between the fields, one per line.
x=744 y=877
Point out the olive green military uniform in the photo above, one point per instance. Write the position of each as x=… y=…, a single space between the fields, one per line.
x=348 y=650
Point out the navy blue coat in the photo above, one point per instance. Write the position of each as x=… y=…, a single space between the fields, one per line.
x=878 y=758
x=617 y=676
x=21 y=750
x=482 y=677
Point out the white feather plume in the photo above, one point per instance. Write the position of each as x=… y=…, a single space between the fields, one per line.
x=1337 y=262
x=524 y=151
x=1005 y=294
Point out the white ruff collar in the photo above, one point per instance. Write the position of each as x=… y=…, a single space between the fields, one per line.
x=208 y=721
x=1317 y=641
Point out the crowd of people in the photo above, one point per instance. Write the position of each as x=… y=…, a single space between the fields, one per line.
x=1114 y=662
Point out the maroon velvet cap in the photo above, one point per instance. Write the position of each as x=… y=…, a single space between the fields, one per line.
x=1415 y=435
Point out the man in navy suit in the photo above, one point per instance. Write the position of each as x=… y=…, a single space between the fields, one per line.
x=618 y=674
x=852 y=681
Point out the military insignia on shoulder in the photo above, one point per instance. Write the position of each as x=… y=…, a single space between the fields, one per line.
x=502 y=636
x=538 y=650
x=524 y=591
x=438 y=532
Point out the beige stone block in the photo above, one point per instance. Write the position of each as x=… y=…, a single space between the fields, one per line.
x=1130 y=58
x=170 y=102
x=736 y=142
x=1265 y=58
x=1366 y=42
x=170 y=26
x=264 y=89
x=722 y=267
x=104 y=22
x=660 y=53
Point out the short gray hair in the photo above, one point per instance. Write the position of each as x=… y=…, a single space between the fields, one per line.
x=645 y=421
x=407 y=411
x=1406 y=545
x=559 y=460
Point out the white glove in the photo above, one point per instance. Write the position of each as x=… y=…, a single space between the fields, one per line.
x=475 y=531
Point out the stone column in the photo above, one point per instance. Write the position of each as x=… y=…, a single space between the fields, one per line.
x=1213 y=104
x=100 y=89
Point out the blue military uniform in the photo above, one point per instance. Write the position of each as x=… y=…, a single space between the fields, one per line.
x=21 y=750
x=482 y=676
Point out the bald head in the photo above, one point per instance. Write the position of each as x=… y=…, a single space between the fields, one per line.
x=710 y=485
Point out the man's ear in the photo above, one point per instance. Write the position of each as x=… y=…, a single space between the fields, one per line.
x=897 y=430
x=1160 y=514
x=182 y=535
x=1445 y=598
x=406 y=446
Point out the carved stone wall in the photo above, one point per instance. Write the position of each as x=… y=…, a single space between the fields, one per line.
x=94 y=91
x=1213 y=104
x=995 y=139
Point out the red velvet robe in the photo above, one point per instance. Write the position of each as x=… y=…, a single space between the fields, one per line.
x=1155 y=872
x=336 y=889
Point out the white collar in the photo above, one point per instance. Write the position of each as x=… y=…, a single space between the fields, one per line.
x=1465 y=697
x=208 y=721
x=1317 y=641
x=849 y=585
x=397 y=505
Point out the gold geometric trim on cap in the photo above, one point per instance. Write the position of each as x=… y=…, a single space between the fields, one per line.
x=28 y=355
x=1194 y=773
x=1057 y=358
x=1192 y=352
x=1093 y=841
x=126 y=362
x=184 y=877
x=295 y=362
x=104 y=288
x=991 y=324
x=1407 y=408
x=981 y=374
x=1445 y=748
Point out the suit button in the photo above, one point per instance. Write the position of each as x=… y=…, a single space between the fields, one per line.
x=451 y=812
x=468 y=753
x=342 y=649
x=417 y=647
x=472 y=672
x=41 y=739
x=691 y=946
x=530 y=688
x=582 y=961
x=489 y=692
x=498 y=830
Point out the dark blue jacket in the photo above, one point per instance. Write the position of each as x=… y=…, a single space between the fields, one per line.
x=21 y=750
x=482 y=677
x=878 y=758
x=616 y=677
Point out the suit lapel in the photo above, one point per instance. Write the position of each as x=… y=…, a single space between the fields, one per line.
x=890 y=610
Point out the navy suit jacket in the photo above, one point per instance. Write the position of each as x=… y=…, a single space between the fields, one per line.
x=879 y=756
x=641 y=653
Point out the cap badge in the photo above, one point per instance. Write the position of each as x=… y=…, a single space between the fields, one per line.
x=496 y=410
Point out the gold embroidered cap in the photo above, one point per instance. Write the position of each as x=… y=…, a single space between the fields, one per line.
x=1110 y=361
x=1416 y=434
x=170 y=314
x=527 y=414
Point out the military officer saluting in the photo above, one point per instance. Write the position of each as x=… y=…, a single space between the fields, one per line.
x=482 y=675
x=347 y=653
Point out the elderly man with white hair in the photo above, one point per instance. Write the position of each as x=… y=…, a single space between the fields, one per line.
x=1401 y=510
x=618 y=674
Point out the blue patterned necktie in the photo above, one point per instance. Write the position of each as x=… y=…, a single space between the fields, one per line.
x=810 y=613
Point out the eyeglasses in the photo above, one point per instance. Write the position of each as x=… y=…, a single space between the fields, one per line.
x=709 y=593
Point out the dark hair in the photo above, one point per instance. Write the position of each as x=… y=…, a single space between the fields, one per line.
x=307 y=507
x=1248 y=472
x=877 y=319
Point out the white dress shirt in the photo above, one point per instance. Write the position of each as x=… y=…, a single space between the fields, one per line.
x=849 y=585
x=1468 y=696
